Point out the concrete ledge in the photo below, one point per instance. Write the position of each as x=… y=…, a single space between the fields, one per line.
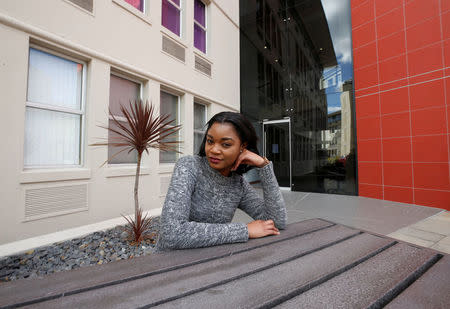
x=48 y=239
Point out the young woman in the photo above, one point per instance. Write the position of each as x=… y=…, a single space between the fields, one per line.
x=206 y=189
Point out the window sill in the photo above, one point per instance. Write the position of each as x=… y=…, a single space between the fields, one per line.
x=202 y=55
x=125 y=170
x=166 y=168
x=41 y=175
x=172 y=36
x=133 y=11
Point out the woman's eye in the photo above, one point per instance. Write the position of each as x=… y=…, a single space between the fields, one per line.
x=209 y=141
x=226 y=145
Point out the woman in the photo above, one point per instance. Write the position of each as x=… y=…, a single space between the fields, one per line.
x=206 y=189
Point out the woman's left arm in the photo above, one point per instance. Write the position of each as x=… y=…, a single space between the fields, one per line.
x=272 y=206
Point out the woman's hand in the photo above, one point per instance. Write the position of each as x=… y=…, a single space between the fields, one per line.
x=260 y=228
x=250 y=158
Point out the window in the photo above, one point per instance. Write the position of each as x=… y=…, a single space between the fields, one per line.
x=121 y=92
x=54 y=119
x=200 y=116
x=171 y=15
x=200 y=25
x=169 y=105
x=138 y=4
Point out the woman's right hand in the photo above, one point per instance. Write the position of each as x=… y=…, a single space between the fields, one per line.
x=261 y=228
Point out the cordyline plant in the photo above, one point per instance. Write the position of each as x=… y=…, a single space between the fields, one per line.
x=143 y=129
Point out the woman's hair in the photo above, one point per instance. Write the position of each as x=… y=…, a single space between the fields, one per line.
x=244 y=129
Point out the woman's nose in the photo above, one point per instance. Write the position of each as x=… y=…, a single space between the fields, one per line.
x=215 y=149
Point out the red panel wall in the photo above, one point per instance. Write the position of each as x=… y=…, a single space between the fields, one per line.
x=401 y=53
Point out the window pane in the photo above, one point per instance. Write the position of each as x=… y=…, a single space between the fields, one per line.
x=54 y=80
x=177 y=2
x=199 y=116
x=121 y=92
x=199 y=12
x=139 y=4
x=170 y=17
x=51 y=138
x=123 y=157
x=169 y=106
x=199 y=38
x=198 y=138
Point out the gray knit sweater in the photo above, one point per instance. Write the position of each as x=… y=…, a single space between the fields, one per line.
x=201 y=202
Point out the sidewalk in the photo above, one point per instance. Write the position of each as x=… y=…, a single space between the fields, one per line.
x=423 y=226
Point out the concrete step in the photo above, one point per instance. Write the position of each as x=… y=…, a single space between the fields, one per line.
x=271 y=285
x=369 y=284
x=432 y=290
x=168 y=285
x=88 y=278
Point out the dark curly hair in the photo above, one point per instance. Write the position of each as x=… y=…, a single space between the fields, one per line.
x=244 y=129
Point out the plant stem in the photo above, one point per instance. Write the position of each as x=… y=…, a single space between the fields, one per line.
x=136 y=185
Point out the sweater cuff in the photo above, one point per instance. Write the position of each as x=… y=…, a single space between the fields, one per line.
x=240 y=232
x=266 y=172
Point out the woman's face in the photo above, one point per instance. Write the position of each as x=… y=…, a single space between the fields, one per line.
x=222 y=147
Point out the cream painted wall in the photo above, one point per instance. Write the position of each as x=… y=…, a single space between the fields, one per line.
x=110 y=37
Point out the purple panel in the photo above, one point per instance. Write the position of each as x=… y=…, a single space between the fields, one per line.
x=199 y=12
x=170 y=17
x=177 y=2
x=139 y=4
x=199 y=38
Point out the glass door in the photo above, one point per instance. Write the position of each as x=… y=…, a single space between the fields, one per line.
x=277 y=148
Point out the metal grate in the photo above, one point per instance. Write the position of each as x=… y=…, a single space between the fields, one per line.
x=202 y=65
x=85 y=4
x=173 y=48
x=48 y=202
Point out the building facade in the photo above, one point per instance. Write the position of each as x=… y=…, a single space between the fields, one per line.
x=401 y=55
x=64 y=64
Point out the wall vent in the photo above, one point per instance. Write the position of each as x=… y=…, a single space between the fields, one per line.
x=85 y=4
x=164 y=182
x=173 y=48
x=53 y=201
x=202 y=65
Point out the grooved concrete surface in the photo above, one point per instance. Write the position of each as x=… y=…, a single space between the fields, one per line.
x=313 y=263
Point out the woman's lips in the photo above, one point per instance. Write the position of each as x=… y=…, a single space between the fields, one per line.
x=214 y=160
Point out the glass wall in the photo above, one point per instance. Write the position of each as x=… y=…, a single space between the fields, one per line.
x=297 y=89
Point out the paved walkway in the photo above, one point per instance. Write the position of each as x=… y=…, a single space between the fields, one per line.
x=423 y=226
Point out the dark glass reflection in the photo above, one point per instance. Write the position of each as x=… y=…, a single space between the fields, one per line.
x=297 y=89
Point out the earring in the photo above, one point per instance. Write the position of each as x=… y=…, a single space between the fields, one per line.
x=241 y=150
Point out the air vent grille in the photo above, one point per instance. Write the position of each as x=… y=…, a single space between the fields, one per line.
x=85 y=4
x=202 y=65
x=173 y=48
x=52 y=201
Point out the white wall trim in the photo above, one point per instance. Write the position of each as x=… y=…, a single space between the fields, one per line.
x=24 y=245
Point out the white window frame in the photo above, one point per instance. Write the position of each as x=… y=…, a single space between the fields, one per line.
x=180 y=9
x=120 y=118
x=205 y=28
x=178 y=122
x=48 y=107
x=206 y=121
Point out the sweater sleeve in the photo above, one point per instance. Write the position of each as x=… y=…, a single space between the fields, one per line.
x=272 y=206
x=176 y=231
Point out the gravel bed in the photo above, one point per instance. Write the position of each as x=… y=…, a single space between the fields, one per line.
x=93 y=249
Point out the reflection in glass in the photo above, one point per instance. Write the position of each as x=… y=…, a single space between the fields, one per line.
x=296 y=64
